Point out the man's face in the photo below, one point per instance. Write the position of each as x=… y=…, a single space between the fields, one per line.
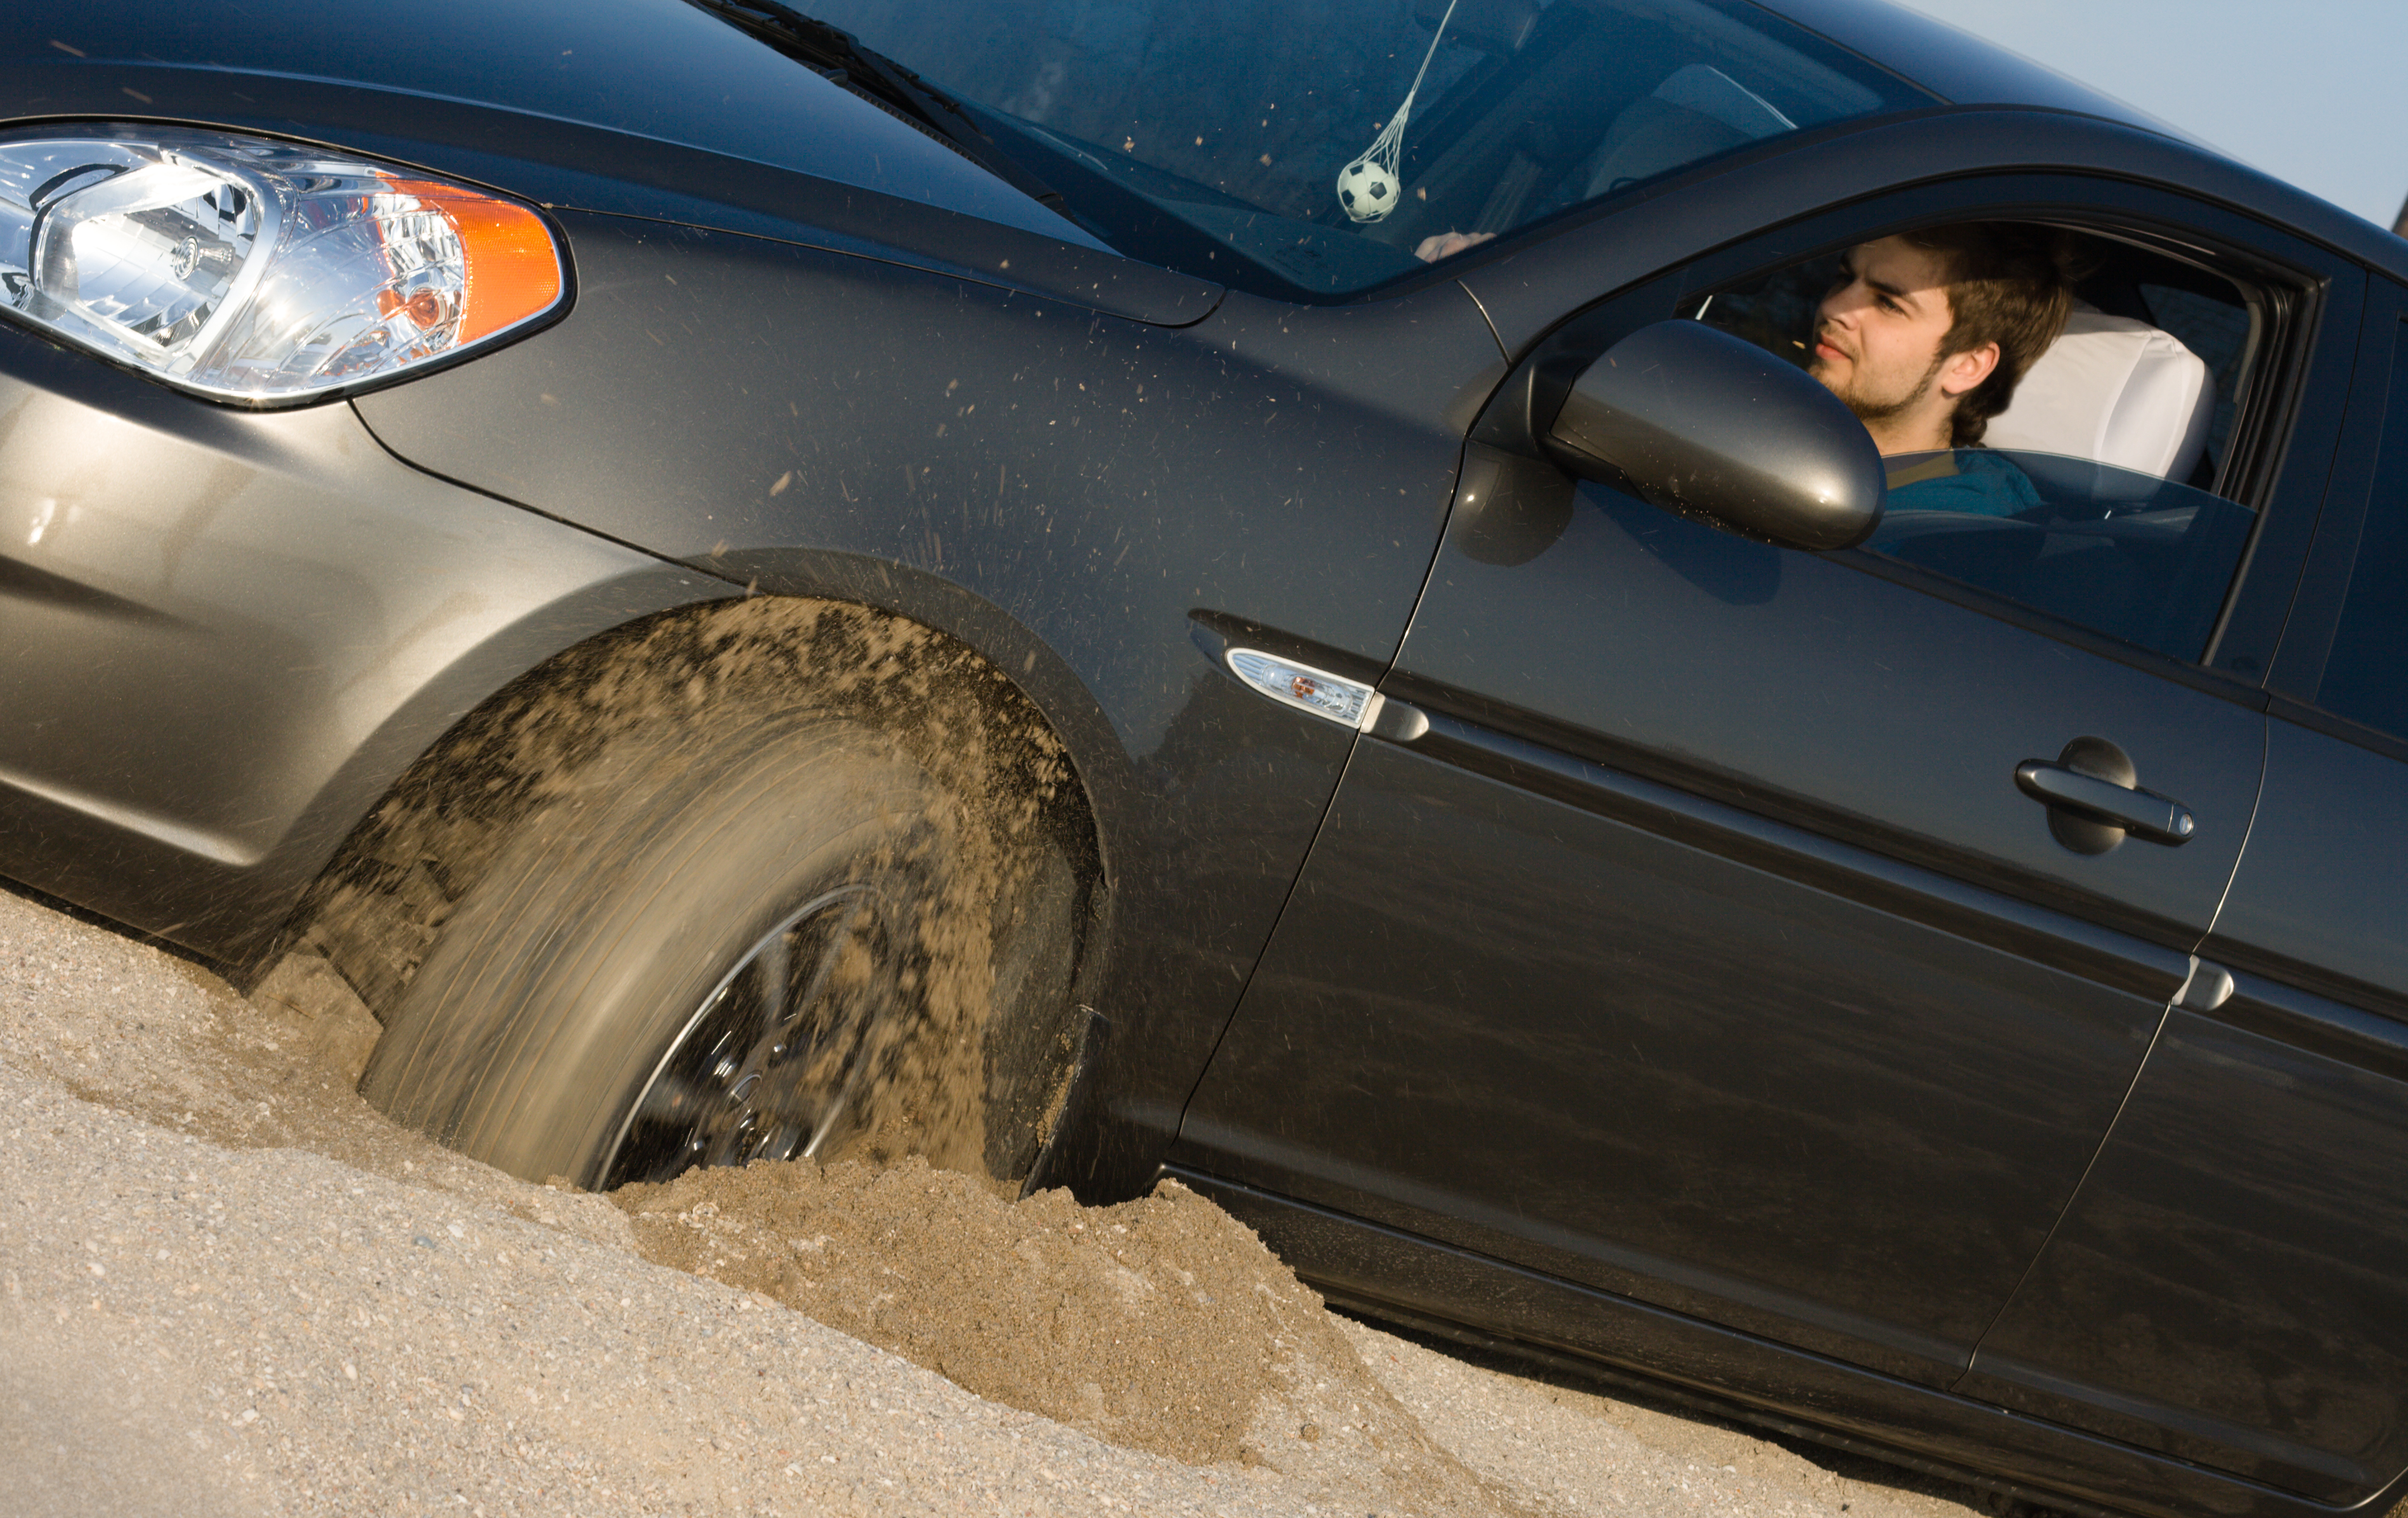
x=1877 y=337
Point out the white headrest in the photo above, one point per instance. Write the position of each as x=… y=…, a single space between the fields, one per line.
x=2114 y=391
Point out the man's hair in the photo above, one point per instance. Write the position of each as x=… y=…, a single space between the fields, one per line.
x=2007 y=283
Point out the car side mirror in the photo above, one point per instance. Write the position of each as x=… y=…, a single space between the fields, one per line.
x=1704 y=424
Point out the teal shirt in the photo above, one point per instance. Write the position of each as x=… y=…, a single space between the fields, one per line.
x=1974 y=480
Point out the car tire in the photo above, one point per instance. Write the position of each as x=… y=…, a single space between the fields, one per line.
x=784 y=937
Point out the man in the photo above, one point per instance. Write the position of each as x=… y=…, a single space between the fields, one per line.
x=1925 y=338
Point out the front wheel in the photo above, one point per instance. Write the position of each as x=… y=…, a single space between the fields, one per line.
x=780 y=938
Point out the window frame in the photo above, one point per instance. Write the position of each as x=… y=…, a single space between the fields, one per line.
x=2314 y=619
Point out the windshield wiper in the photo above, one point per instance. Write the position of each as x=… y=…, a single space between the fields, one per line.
x=839 y=58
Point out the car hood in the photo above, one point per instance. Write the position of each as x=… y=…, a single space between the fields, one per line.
x=647 y=108
x=658 y=69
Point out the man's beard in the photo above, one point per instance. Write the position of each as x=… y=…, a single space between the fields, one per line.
x=1872 y=409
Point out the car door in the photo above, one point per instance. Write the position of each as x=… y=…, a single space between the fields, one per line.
x=2229 y=1285
x=1682 y=930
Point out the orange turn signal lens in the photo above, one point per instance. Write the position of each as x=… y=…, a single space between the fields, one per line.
x=513 y=270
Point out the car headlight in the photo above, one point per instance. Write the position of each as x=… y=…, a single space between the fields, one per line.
x=249 y=270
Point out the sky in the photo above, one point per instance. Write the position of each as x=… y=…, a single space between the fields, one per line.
x=2315 y=92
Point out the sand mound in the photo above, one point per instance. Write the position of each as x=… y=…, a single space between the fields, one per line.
x=1161 y=1325
x=1182 y=1336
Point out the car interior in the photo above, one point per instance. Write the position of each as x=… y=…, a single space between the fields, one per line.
x=2125 y=427
x=1590 y=98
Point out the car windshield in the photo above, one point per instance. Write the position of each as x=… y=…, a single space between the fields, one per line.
x=1268 y=144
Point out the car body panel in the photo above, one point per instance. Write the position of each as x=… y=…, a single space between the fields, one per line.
x=2320 y=902
x=2227 y=1286
x=878 y=395
x=226 y=633
x=1672 y=1068
x=2225 y=1289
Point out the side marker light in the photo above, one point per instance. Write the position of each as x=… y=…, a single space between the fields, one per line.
x=1349 y=702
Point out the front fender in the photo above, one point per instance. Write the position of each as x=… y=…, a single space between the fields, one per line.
x=224 y=634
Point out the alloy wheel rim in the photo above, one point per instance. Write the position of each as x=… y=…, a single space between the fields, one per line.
x=773 y=1062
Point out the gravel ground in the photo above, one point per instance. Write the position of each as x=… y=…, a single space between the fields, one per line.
x=228 y=1288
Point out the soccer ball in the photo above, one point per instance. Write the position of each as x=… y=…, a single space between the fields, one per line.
x=1367 y=191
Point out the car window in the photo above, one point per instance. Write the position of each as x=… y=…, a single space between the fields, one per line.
x=2222 y=331
x=2115 y=551
x=2096 y=498
x=1277 y=135
x=2365 y=672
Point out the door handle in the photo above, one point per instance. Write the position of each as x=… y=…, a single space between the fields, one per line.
x=2142 y=813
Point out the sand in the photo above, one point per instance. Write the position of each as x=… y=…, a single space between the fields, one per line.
x=228 y=1287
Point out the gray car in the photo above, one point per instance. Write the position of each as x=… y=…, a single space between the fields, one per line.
x=1103 y=589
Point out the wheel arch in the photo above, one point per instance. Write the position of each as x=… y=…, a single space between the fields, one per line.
x=377 y=901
